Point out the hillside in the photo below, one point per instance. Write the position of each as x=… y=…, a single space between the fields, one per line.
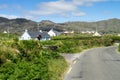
x=105 y=26
x=20 y=24
x=16 y=25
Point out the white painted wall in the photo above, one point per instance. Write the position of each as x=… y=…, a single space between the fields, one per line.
x=25 y=36
x=118 y=34
x=96 y=34
x=51 y=33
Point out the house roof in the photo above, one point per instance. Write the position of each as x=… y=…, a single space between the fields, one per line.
x=5 y=32
x=96 y=34
x=56 y=32
x=36 y=34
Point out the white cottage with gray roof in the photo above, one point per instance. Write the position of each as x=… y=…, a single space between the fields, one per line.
x=36 y=35
x=53 y=32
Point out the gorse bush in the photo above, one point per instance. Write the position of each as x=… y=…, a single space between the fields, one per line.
x=116 y=38
x=7 y=54
x=24 y=70
x=26 y=60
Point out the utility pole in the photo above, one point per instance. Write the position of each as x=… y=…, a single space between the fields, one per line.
x=96 y=28
x=38 y=26
x=8 y=30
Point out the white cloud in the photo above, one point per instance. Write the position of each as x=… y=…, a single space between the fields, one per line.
x=80 y=13
x=86 y=2
x=57 y=7
x=65 y=15
x=9 y=16
x=62 y=8
x=3 y=6
x=15 y=16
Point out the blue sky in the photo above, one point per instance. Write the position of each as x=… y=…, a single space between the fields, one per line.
x=60 y=10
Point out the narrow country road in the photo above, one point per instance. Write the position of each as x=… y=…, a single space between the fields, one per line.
x=96 y=64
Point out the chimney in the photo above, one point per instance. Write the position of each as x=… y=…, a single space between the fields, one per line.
x=41 y=31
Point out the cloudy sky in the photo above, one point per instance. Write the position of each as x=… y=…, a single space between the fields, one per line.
x=60 y=10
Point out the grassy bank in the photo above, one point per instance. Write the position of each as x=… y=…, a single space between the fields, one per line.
x=26 y=60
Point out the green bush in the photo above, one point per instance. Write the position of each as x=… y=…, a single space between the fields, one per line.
x=119 y=48
x=77 y=45
x=26 y=60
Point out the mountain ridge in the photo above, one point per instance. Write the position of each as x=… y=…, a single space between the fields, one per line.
x=20 y=24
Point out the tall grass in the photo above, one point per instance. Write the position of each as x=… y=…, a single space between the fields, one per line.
x=26 y=60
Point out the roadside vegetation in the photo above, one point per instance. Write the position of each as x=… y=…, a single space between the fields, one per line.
x=78 y=43
x=41 y=60
x=119 y=47
x=116 y=39
x=26 y=60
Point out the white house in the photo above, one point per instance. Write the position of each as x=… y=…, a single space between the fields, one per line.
x=96 y=34
x=37 y=35
x=5 y=32
x=87 y=32
x=118 y=34
x=53 y=33
x=25 y=36
x=68 y=32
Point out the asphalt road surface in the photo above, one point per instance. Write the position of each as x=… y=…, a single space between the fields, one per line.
x=96 y=64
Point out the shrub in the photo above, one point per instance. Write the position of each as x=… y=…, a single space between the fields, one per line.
x=29 y=62
x=119 y=48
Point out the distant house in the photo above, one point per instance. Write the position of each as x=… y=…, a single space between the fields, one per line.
x=83 y=32
x=68 y=32
x=53 y=32
x=38 y=35
x=87 y=32
x=96 y=34
x=118 y=34
x=5 y=32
